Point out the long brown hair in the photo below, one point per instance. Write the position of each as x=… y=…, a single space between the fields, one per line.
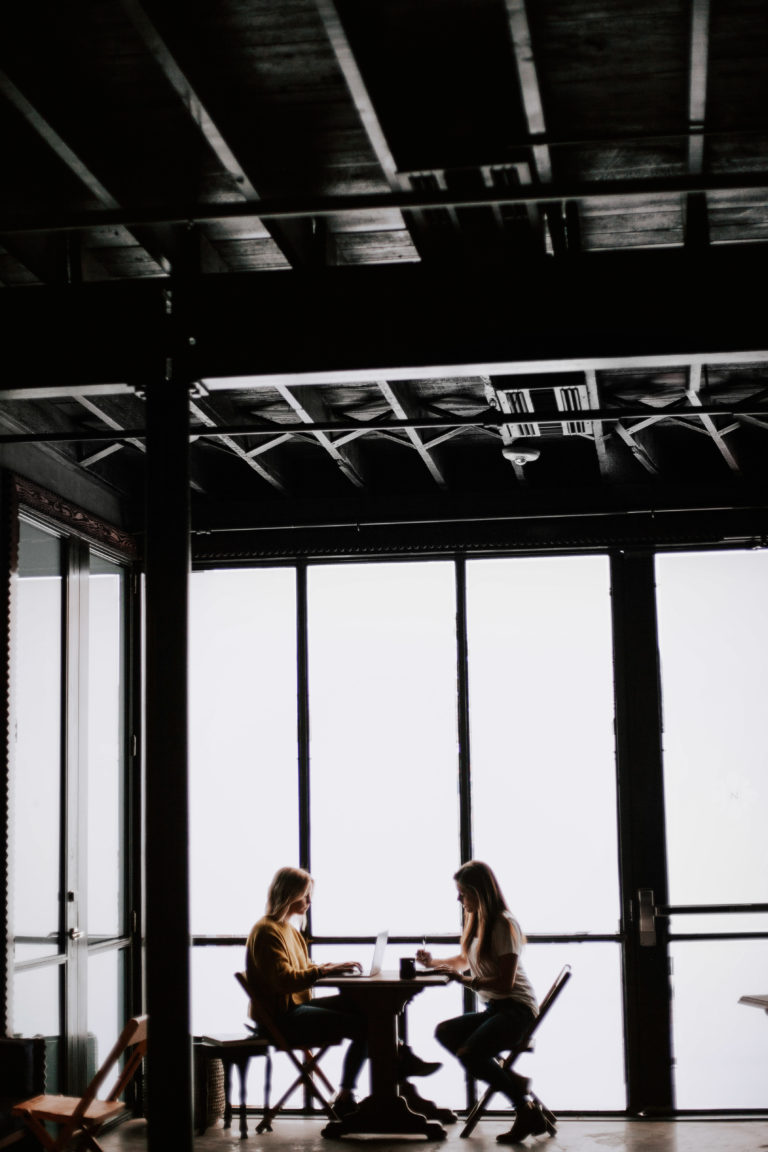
x=477 y=878
x=288 y=885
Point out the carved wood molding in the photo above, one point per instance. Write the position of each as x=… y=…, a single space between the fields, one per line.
x=25 y=492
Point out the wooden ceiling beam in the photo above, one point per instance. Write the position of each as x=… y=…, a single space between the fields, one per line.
x=695 y=204
x=310 y=409
x=662 y=310
x=490 y=423
x=90 y=181
x=271 y=475
x=533 y=106
x=369 y=118
x=298 y=207
x=396 y=397
x=292 y=238
x=697 y=84
x=637 y=450
x=694 y=387
x=598 y=435
x=48 y=259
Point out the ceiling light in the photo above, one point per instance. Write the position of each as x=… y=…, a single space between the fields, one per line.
x=521 y=451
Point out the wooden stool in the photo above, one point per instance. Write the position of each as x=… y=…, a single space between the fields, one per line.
x=236 y=1050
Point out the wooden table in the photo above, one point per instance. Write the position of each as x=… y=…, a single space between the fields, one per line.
x=382 y=998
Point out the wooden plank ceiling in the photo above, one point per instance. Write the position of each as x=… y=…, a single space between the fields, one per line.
x=475 y=141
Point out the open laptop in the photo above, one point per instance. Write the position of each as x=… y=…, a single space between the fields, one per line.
x=378 y=956
x=378 y=953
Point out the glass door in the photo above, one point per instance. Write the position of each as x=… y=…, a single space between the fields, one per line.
x=68 y=811
x=713 y=642
x=42 y=947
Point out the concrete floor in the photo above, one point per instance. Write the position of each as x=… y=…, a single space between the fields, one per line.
x=296 y=1135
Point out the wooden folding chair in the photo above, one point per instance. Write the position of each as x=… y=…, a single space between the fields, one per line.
x=525 y=1045
x=307 y=1068
x=81 y=1117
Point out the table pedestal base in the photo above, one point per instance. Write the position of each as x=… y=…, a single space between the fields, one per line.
x=390 y=1117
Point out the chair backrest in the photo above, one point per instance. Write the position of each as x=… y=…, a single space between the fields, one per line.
x=133 y=1037
x=559 y=983
x=260 y=1013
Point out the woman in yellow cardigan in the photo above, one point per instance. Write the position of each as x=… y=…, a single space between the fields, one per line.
x=278 y=963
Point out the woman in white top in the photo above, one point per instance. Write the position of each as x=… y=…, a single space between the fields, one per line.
x=489 y=963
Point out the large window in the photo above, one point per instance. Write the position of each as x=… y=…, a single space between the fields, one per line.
x=244 y=813
x=243 y=760
x=544 y=796
x=384 y=764
x=713 y=637
x=354 y=767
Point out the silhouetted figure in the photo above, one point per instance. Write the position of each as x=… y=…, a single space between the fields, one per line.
x=492 y=943
x=277 y=961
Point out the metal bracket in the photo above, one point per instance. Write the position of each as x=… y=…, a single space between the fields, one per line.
x=647 y=918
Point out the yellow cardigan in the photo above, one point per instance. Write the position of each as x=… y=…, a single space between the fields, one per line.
x=277 y=961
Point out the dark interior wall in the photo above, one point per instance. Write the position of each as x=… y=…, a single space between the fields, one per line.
x=44 y=467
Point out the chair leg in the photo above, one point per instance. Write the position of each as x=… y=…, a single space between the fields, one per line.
x=306 y=1072
x=14 y=1137
x=41 y=1133
x=549 y=1117
x=227 y=1096
x=313 y=1069
x=242 y=1069
x=475 y=1113
x=91 y=1141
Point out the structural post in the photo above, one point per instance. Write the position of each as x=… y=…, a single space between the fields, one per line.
x=169 y=1062
x=642 y=839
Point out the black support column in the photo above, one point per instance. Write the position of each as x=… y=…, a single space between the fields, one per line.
x=169 y=1063
x=642 y=845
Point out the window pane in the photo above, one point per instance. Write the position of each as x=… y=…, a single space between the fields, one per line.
x=382 y=684
x=242 y=743
x=713 y=642
x=219 y=1006
x=37 y=704
x=106 y=779
x=542 y=740
x=36 y=999
x=719 y=1044
x=106 y=976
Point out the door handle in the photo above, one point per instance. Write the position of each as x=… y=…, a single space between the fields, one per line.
x=647 y=917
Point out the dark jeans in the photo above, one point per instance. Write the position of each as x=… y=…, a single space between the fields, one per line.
x=329 y=1020
x=476 y=1037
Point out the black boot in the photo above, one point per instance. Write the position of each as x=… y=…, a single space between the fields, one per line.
x=409 y=1064
x=529 y=1121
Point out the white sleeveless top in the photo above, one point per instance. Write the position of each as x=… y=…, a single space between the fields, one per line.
x=506 y=937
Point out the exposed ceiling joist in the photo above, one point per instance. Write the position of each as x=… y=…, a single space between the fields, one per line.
x=637 y=450
x=271 y=476
x=397 y=399
x=291 y=245
x=590 y=381
x=694 y=386
x=311 y=410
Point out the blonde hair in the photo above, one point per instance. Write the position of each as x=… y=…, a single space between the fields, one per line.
x=478 y=879
x=288 y=885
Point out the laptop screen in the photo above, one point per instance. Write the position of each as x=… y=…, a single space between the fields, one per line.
x=378 y=953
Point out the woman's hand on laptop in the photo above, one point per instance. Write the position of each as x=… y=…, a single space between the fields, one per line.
x=347 y=966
